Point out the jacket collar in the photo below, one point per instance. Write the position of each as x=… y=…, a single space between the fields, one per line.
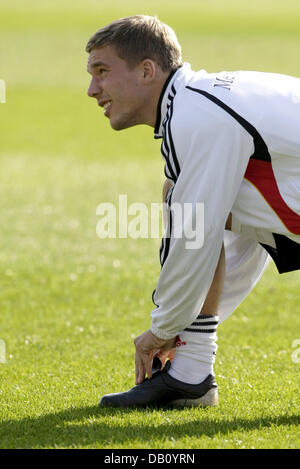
x=163 y=99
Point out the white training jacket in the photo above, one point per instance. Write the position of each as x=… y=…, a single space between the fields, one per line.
x=230 y=141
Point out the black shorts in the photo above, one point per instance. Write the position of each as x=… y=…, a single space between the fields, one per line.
x=286 y=255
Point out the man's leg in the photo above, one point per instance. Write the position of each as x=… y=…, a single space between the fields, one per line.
x=196 y=347
x=210 y=306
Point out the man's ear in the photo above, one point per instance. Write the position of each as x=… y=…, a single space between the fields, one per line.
x=148 y=68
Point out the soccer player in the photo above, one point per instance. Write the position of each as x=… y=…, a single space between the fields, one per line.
x=230 y=141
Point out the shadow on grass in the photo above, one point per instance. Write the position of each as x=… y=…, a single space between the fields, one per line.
x=89 y=426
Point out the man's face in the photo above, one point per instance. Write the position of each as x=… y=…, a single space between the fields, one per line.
x=117 y=88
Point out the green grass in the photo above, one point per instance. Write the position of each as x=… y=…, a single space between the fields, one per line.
x=71 y=303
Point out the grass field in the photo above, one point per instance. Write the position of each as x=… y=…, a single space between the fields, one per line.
x=70 y=303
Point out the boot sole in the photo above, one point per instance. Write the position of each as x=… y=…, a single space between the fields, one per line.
x=210 y=399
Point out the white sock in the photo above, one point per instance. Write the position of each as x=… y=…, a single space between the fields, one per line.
x=195 y=351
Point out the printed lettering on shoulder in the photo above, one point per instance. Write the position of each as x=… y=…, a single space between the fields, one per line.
x=225 y=80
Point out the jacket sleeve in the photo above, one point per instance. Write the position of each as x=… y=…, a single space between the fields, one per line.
x=213 y=154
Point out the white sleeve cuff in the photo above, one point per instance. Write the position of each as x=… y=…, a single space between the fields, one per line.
x=160 y=333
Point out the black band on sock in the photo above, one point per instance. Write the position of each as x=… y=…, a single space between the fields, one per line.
x=204 y=324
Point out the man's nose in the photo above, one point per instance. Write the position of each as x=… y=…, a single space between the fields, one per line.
x=94 y=89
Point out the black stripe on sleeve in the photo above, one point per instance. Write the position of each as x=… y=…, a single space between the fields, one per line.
x=173 y=151
x=165 y=150
x=167 y=241
x=261 y=151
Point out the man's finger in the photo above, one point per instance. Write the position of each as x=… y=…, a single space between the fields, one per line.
x=143 y=365
x=139 y=369
x=148 y=364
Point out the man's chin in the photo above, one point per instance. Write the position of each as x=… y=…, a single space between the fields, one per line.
x=121 y=125
x=117 y=125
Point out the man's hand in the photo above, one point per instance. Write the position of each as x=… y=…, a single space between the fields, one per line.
x=147 y=346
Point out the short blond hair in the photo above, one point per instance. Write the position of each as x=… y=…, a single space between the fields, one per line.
x=140 y=37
